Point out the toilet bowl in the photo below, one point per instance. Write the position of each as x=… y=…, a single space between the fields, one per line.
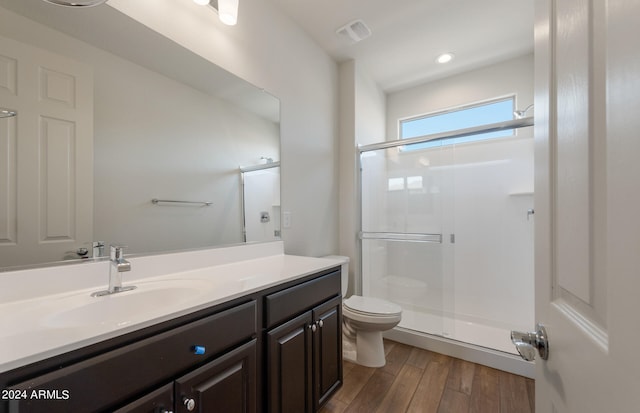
x=364 y=320
x=368 y=317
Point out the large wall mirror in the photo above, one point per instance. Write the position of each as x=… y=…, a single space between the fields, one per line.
x=111 y=116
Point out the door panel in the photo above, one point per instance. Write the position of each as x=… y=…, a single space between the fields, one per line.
x=574 y=142
x=328 y=349
x=57 y=170
x=289 y=358
x=586 y=144
x=8 y=182
x=46 y=153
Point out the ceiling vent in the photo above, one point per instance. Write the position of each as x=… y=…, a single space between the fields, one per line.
x=354 y=31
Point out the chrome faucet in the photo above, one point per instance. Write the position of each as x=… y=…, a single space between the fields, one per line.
x=117 y=266
x=98 y=249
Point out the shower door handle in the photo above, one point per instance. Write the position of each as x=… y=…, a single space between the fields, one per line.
x=528 y=343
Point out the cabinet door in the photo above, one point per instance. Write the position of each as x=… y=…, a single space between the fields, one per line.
x=327 y=350
x=159 y=401
x=289 y=362
x=227 y=384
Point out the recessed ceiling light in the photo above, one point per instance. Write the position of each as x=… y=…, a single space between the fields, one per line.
x=445 y=58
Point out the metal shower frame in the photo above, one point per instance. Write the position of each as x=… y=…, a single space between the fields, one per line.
x=459 y=133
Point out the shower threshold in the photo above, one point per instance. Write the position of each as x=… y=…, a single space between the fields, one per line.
x=492 y=347
x=475 y=333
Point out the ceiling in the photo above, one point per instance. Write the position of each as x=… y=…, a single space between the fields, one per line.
x=408 y=35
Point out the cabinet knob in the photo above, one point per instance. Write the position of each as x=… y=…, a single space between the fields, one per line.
x=190 y=404
x=198 y=350
x=313 y=327
x=320 y=323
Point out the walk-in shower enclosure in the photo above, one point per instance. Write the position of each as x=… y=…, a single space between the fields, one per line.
x=447 y=233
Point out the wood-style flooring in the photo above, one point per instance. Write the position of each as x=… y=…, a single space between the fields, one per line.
x=417 y=380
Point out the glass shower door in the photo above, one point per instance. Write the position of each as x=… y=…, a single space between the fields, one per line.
x=447 y=233
x=406 y=244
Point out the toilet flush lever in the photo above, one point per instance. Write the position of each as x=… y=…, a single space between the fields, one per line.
x=528 y=343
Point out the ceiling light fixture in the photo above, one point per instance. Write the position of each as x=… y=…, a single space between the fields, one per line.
x=6 y=113
x=445 y=58
x=227 y=9
x=76 y=3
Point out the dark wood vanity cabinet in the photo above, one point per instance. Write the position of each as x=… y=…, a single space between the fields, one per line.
x=277 y=350
x=227 y=384
x=304 y=353
x=289 y=361
x=107 y=381
x=158 y=401
x=327 y=350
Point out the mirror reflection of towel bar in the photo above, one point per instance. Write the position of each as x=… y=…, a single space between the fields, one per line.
x=156 y=201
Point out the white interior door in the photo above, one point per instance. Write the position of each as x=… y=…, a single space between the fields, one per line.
x=587 y=204
x=46 y=151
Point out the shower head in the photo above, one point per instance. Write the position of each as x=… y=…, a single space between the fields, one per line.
x=519 y=114
x=76 y=3
x=6 y=113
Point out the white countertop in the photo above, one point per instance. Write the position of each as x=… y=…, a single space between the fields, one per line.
x=34 y=328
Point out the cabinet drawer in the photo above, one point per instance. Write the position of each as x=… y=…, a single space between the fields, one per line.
x=111 y=378
x=292 y=301
x=157 y=401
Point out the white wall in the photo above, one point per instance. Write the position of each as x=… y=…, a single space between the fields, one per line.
x=145 y=149
x=362 y=120
x=267 y=49
x=480 y=192
x=512 y=76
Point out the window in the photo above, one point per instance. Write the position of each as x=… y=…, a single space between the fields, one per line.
x=466 y=117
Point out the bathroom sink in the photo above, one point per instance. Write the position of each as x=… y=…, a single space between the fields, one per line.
x=121 y=309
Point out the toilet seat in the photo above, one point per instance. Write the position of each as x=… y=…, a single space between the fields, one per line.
x=371 y=306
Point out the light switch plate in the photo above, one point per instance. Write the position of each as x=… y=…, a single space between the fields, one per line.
x=286 y=219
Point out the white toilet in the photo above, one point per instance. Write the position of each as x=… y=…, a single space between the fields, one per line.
x=364 y=320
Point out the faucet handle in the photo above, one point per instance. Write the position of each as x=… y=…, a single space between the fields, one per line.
x=117 y=252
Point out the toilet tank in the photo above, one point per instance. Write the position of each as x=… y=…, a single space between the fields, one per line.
x=345 y=270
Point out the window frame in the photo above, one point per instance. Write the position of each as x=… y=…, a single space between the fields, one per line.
x=452 y=109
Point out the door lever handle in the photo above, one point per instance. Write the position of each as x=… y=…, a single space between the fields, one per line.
x=530 y=213
x=528 y=343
